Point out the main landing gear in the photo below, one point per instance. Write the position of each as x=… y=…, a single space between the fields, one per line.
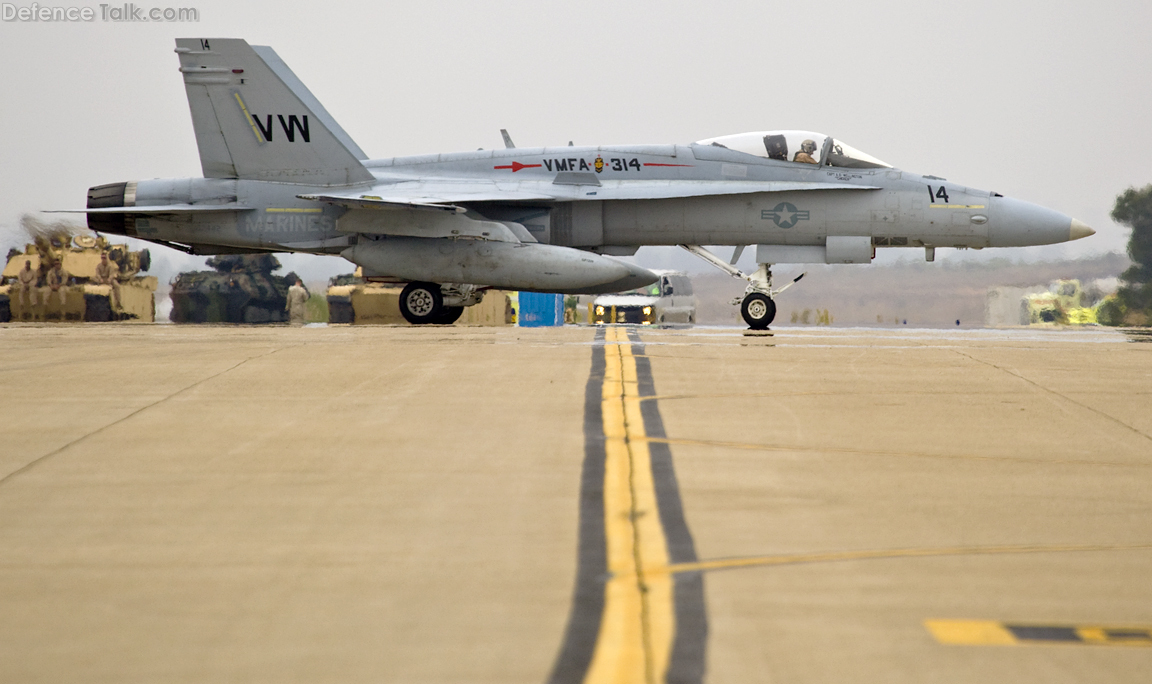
x=424 y=303
x=757 y=306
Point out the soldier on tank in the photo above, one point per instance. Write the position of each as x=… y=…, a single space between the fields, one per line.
x=26 y=283
x=297 y=300
x=106 y=274
x=57 y=280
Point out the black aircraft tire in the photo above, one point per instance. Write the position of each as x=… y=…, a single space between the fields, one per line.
x=450 y=315
x=421 y=303
x=758 y=310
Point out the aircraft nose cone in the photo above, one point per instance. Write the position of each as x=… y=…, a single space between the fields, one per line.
x=1016 y=223
x=1079 y=230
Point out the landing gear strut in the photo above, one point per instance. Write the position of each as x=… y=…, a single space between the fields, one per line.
x=757 y=306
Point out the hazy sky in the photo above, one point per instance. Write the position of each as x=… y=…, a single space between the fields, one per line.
x=1045 y=101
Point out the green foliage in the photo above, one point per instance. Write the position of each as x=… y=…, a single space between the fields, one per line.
x=316 y=308
x=1110 y=312
x=1133 y=303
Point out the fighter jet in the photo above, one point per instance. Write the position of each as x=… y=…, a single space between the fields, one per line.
x=280 y=175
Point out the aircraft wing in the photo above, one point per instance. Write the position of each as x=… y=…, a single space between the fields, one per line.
x=441 y=195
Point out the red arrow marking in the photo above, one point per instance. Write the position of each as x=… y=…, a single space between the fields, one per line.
x=516 y=166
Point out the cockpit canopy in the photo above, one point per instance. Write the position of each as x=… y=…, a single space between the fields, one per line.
x=803 y=147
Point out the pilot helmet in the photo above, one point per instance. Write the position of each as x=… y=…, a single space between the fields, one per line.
x=808 y=146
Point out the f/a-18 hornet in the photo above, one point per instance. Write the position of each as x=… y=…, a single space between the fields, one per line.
x=280 y=175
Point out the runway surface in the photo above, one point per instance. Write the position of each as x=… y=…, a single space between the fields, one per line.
x=346 y=504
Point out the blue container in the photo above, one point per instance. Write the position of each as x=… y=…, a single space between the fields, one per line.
x=538 y=310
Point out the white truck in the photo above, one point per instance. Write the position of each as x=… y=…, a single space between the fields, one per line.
x=667 y=301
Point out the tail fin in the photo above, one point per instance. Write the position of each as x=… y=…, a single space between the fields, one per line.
x=254 y=119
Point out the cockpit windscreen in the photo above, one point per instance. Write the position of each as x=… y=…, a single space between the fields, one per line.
x=799 y=147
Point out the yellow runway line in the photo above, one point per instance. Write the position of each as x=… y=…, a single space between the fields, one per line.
x=997 y=633
x=638 y=622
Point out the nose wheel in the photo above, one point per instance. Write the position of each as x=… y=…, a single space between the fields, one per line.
x=758 y=310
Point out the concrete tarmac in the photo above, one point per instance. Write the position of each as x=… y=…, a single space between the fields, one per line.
x=346 y=504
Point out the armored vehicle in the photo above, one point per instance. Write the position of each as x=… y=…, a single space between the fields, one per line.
x=75 y=293
x=241 y=288
x=1062 y=303
x=340 y=291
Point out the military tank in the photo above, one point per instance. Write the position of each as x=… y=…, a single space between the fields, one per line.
x=340 y=291
x=241 y=288
x=1062 y=304
x=81 y=298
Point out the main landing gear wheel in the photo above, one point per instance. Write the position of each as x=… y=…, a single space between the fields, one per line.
x=758 y=310
x=422 y=303
x=450 y=315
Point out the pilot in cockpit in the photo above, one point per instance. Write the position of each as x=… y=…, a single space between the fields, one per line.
x=807 y=149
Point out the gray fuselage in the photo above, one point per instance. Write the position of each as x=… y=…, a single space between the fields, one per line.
x=898 y=209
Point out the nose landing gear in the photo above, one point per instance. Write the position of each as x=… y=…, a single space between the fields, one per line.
x=757 y=306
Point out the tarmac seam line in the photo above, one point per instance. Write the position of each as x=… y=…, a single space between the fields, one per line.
x=1054 y=392
x=889 y=554
x=897 y=454
x=40 y=459
x=638 y=558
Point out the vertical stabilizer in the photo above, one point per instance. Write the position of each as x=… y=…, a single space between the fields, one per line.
x=254 y=119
